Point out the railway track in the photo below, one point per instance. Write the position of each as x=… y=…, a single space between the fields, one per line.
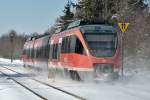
x=40 y=96
x=43 y=83
x=128 y=91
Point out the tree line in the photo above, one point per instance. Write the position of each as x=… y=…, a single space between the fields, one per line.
x=8 y=46
x=109 y=11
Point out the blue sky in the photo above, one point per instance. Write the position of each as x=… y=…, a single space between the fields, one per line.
x=29 y=15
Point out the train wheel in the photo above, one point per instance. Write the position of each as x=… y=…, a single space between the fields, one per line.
x=24 y=65
x=98 y=72
x=66 y=72
x=74 y=75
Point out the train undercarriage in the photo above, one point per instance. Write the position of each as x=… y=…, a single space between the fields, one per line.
x=93 y=75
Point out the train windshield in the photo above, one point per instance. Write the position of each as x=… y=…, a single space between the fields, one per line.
x=100 y=43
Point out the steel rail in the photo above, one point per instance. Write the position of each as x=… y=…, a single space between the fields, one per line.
x=54 y=87
x=40 y=96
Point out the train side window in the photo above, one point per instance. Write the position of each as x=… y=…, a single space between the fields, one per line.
x=68 y=44
x=31 y=51
x=23 y=52
x=65 y=47
x=27 y=52
x=35 y=51
x=47 y=47
x=54 y=51
x=62 y=45
x=51 y=51
x=38 y=52
x=30 y=55
x=43 y=51
x=72 y=43
x=58 y=51
x=78 y=47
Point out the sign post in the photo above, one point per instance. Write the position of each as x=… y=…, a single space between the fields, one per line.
x=123 y=27
x=12 y=35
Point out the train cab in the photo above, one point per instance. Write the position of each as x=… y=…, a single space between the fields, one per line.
x=86 y=49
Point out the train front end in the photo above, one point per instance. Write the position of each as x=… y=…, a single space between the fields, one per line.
x=102 y=48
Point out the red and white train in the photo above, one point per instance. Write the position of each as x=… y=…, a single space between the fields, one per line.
x=83 y=50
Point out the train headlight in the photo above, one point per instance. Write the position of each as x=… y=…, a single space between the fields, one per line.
x=103 y=68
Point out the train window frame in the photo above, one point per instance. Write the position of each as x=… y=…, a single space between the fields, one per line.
x=32 y=52
x=38 y=52
x=59 y=51
x=69 y=45
x=72 y=43
x=35 y=52
x=47 y=50
x=54 y=53
x=63 y=45
x=51 y=51
x=80 y=46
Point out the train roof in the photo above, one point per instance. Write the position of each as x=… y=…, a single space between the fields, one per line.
x=97 y=29
x=78 y=23
x=34 y=37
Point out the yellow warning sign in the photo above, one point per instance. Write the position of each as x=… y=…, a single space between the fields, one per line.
x=123 y=26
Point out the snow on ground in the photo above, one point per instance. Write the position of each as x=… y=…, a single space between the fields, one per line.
x=136 y=64
x=8 y=62
x=11 y=91
x=126 y=88
x=134 y=85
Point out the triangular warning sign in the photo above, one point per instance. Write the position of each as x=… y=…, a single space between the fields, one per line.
x=123 y=26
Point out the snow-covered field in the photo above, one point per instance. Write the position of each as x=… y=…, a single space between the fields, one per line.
x=134 y=85
x=8 y=62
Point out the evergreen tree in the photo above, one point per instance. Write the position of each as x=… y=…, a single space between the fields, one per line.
x=99 y=10
x=67 y=12
x=86 y=9
x=62 y=21
x=137 y=3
